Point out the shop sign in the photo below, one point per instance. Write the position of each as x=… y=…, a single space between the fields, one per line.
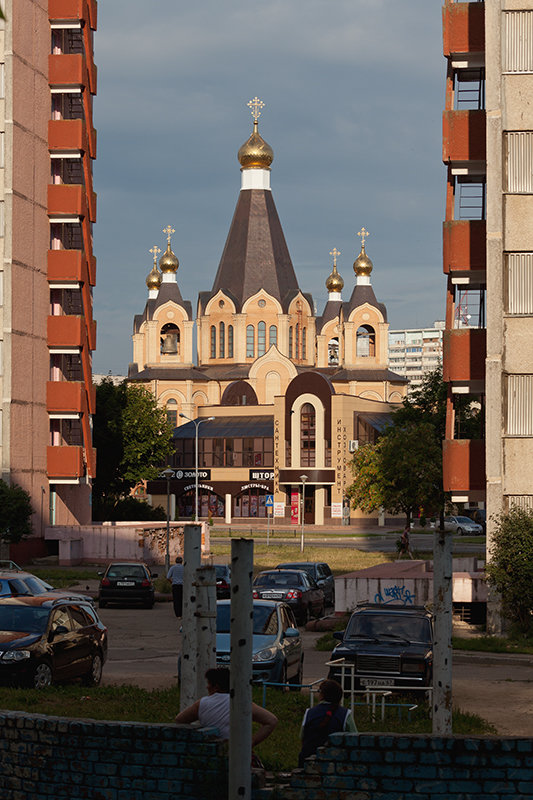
x=190 y=474
x=261 y=475
x=255 y=486
x=336 y=510
x=279 y=509
x=200 y=486
x=295 y=508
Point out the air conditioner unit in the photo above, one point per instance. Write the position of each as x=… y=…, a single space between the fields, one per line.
x=353 y=445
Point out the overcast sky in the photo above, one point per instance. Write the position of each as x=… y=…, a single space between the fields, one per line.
x=353 y=93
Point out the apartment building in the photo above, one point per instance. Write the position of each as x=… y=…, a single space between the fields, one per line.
x=414 y=352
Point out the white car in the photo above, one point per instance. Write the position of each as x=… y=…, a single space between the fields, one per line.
x=462 y=525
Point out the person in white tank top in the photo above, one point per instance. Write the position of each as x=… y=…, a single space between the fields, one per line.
x=213 y=710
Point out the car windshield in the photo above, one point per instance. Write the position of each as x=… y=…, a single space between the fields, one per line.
x=309 y=568
x=23 y=618
x=279 y=579
x=126 y=571
x=265 y=620
x=464 y=520
x=389 y=626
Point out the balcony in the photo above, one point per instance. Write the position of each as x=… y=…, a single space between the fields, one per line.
x=463 y=136
x=67 y=200
x=65 y=397
x=464 y=246
x=66 y=332
x=463 y=28
x=73 y=10
x=464 y=353
x=67 y=135
x=463 y=465
x=65 y=463
x=67 y=266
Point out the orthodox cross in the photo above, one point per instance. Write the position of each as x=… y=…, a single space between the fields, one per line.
x=255 y=106
x=363 y=234
x=169 y=231
x=334 y=253
x=155 y=250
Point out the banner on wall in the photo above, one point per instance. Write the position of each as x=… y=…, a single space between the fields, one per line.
x=295 y=507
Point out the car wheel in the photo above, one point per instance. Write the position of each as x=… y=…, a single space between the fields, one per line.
x=42 y=676
x=102 y=603
x=297 y=680
x=459 y=531
x=94 y=676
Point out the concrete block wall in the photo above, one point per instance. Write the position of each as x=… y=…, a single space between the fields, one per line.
x=387 y=767
x=49 y=758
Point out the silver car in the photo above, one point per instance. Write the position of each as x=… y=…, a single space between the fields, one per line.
x=462 y=525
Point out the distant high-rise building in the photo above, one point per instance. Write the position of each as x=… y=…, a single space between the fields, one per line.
x=414 y=352
x=47 y=267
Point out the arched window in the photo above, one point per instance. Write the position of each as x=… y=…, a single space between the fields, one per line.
x=213 y=342
x=304 y=343
x=172 y=412
x=221 y=340
x=333 y=353
x=272 y=336
x=307 y=436
x=297 y=343
x=250 y=341
x=261 y=339
x=290 y=342
x=366 y=341
x=230 y=341
x=169 y=343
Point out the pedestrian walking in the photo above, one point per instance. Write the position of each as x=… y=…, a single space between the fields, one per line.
x=405 y=547
x=175 y=574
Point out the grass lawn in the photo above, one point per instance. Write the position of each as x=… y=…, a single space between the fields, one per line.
x=279 y=752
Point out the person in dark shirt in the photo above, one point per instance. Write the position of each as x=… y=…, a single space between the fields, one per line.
x=325 y=718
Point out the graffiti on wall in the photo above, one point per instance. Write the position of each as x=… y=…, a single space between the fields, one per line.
x=394 y=594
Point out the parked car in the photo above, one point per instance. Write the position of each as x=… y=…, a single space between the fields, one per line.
x=390 y=647
x=320 y=572
x=223 y=579
x=294 y=587
x=17 y=583
x=277 y=644
x=127 y=582
x=44 y=640
x=479 y=515
x=460 y=525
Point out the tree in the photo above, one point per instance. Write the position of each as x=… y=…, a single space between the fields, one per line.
x=132 y=436
x=510 y=569
x=15 y=513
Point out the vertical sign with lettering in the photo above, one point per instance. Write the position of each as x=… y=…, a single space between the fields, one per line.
x=295 y=507
x=341 y=444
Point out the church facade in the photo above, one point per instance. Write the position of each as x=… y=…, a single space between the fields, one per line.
x=277 y=397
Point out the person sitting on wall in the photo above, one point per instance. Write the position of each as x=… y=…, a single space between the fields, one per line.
x=213 y=709
x=325 y=718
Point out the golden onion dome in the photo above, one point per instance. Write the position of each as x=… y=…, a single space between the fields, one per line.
x=153 y=280
x=334 y=283
x=255 y=153
x=362 y=264
x=168 y=261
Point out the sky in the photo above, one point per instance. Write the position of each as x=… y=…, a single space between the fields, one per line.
x=353 y=93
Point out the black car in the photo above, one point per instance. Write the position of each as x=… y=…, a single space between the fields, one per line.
x=44 y=640
x=295 y=588
x=127 y=582
x=320 y=572
x=223 y=579
x=17 y=583
x=391 y=647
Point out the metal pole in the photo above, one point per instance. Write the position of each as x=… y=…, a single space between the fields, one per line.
x=240 y=738
x=206 y=615
x=196 y=513
x=442 y=644
x=167 y=552
x=303 y=479
x=192 y=558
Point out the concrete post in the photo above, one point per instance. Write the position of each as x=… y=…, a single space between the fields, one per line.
x=442 y=644
x=206 y=615
x=227 y=509
x=192 y=558
x=240 y=738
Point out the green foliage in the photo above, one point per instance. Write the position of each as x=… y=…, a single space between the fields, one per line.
x=494 y=644
x=510 y=569
x=127 y=509
x=15 y=513
x=133 y=438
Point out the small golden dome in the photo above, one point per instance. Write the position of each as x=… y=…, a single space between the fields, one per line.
x=362 y=264
x=334 y=283
x=168 y=261
x=153 y=281
x=255 y=153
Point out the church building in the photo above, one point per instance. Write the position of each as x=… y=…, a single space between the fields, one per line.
x=276 y=398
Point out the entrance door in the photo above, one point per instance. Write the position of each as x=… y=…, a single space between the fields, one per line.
x=309 y=507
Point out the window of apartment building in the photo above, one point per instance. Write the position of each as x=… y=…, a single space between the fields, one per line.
x=519 y=283
x=517 y=55
x=470 y=198
x=519 y=405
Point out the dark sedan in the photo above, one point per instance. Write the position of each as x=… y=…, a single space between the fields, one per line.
x=223 y=580
x=127 y=582
x=294 y=587
x=320 y=572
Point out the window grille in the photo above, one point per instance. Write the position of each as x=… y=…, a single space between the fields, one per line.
x=520 y=405
x=519 y=295
x=517 y=53
x=519 y=147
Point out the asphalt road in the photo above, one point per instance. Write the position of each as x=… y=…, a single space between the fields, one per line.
x=144 y=646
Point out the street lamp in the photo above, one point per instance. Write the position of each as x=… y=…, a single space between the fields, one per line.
x=304 y=479
x=197 y=423
x=168 y=474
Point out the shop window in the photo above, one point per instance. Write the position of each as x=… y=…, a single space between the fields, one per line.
x=213 y=342
x=221 y=340
x=250 y=503
x=250 y=341
x=272 y=336
x=230 y=341
x=210 y=504
x=307 y=436
x=261 y=339
x=366 y=341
